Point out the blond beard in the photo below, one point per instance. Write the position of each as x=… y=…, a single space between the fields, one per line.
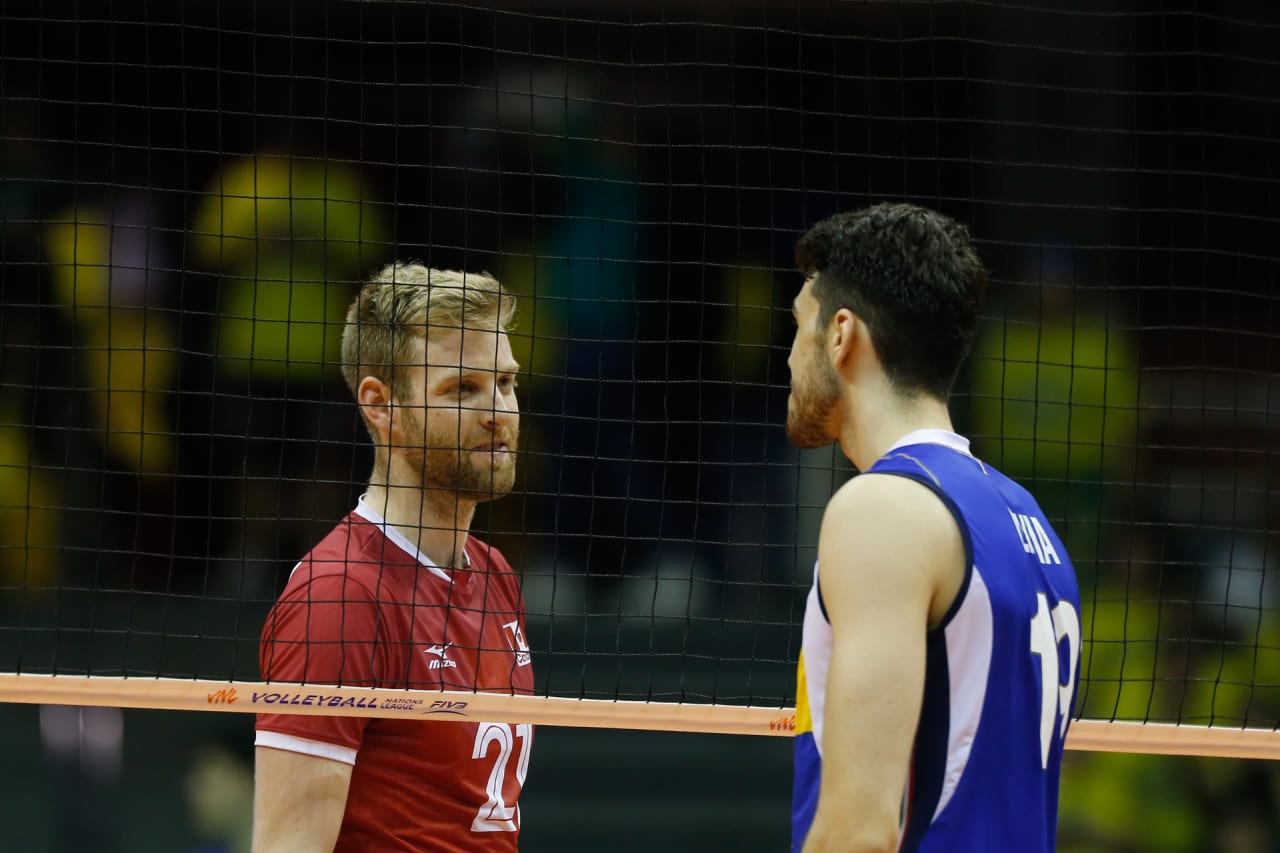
x=442 y=468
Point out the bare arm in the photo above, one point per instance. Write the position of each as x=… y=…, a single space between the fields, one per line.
x=891 y=560
x=298 y=801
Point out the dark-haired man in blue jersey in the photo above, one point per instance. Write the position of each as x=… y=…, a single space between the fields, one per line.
x=942 y=632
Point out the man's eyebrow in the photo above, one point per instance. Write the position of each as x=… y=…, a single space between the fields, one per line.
x=476 y=369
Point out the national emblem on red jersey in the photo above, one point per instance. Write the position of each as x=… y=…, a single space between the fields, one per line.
x=515 y=639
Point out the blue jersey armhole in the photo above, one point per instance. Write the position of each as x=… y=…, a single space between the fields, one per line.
x=954 y=508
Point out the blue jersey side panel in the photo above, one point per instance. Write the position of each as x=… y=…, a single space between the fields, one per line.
x=804 y=800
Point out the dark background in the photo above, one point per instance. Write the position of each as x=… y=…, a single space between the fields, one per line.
x=639 y=173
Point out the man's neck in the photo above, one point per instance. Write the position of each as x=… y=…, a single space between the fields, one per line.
x=873 y=426
x=436 y=522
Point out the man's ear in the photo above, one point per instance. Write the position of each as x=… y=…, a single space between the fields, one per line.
x=376 y=405
x=843 y=335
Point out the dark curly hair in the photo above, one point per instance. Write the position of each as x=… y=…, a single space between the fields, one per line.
x=912 y=276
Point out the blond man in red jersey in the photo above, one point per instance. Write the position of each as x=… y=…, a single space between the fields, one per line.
x=400 y=595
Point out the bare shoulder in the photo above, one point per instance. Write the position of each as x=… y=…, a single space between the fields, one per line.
x=875 y=488
x=886 y=535
x=887 y=503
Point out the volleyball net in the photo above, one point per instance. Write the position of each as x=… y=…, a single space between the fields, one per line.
x=190 y=194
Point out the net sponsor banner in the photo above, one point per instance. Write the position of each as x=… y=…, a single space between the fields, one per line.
x=282 y=698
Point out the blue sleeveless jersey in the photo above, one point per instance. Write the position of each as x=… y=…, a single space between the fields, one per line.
x=1000 y=677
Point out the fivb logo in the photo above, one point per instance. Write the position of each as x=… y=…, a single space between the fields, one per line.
x=515 y=639
x=441 y=660
x=1034 y=539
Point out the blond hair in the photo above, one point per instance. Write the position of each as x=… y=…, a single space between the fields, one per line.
x=405 y=302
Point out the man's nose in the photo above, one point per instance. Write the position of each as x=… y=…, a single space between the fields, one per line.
x=503 y=409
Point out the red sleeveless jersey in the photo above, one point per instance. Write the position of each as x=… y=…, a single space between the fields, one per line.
x=366 y=609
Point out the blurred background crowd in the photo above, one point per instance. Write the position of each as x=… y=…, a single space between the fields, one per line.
x=189 y=194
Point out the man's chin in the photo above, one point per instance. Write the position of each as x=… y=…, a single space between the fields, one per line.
x=489 y=497
x=493 y=487
x=808 y=437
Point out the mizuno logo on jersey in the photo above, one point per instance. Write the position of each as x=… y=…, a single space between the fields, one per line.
x=441 y=661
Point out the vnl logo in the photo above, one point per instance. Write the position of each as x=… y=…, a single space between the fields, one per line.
x=783 y=724
x=441 y=660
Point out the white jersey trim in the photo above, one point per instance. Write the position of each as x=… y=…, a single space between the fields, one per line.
x=815 y=640
x=303 y=746
x=969 y=639
x=946 y=438
x=397 y=538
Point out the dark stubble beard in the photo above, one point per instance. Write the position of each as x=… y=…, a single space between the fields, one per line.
x=815 y=394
